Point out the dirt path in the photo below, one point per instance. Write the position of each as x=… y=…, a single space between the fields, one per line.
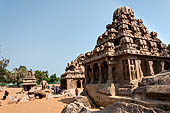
x=53 y=105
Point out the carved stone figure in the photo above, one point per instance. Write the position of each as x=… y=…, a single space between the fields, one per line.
x=44 y=84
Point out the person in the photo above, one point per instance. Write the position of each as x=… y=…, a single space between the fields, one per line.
x=76 y=91
x=56 y=89
x=59 y=90
x=52 y=88
x=6 y=93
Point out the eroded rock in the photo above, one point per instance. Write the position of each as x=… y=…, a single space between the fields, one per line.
x=122 y=107
x=84 y=100
x=76 y=107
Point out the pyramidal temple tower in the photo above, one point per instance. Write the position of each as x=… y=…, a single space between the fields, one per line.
x=74 y=76
x=124 y=54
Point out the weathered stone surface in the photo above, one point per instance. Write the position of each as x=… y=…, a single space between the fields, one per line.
x=32 y=90
x=122 y=107
x=74 y=75
x=29 y=81
x=162 y=90
x=155 y=87
x=11 y=100
x=75 y=107
x=98 y=95
x=107 y=89
x=40 y=93
x=25 y=98
x=130 y=58
x=84 y=100
x=159 y=79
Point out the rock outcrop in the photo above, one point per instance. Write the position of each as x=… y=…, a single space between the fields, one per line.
x=122 y=107
x=76 y=107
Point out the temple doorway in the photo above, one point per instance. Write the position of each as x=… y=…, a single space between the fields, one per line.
x=78 y=84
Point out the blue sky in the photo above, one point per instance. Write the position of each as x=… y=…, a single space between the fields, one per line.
x=47 y=34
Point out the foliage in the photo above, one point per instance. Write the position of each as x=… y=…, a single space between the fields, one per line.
x=3 y=71
x=54 y=79
x=41 y=75
x=19 y=74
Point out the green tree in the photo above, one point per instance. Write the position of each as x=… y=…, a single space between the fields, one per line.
x=58 y=79
x=41 y=75
x=3 y=71
x=53 y=78
x=19 y=74
x=9 y=78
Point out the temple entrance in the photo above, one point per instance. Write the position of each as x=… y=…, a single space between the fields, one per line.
x=96 y=73
x=156 y=66
x=113 y=74
x=64 y=84
x=27 y=88
x=144 y=67
x=167 y=65
x=88 y=74
x=126 y=73
x=78 y=84
x=104 y=70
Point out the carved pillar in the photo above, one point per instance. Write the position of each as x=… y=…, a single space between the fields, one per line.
x=100 y=74
x=92 y=76
x=162 y=66
x=110 y=78
x=81 y=82
x=150 y=66
x=140 y=69
x=129 y=71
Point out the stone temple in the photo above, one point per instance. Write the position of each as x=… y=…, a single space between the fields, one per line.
x=74 y=75
x=29 y=81
x=124 y=54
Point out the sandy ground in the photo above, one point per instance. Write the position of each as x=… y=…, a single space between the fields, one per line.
x=53 y=105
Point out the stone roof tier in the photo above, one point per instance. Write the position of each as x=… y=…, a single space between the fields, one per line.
x=127 y=35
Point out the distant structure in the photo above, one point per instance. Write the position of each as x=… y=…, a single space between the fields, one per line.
x=74 y=75
x=29 y=81
x=124 y=54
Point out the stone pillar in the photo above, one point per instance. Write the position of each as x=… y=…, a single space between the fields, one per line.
x=100 y=74
x=150 y=66
x=140 y=69
x=110 y=78
x=130 y=75
x=136 y=64
x=162 y=66
x=92 y=76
